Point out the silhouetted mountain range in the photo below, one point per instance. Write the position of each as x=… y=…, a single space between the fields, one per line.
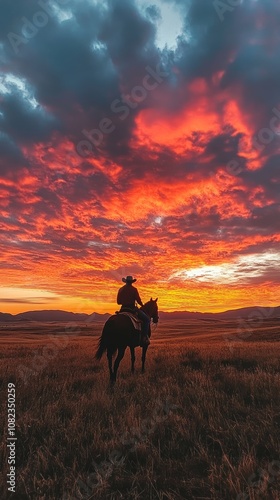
x=248 y=313
x=243 y=313
x=49 y=316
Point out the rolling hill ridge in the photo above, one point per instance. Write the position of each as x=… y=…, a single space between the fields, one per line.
x=249 y=313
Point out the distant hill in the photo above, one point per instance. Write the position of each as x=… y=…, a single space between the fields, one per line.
x=6 y=317
x=254 y=312
x=245 y=312
x=65 y=316
x=53 y=316
x=50 y=316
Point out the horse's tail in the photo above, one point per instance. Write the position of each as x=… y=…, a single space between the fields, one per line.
x=105 y=340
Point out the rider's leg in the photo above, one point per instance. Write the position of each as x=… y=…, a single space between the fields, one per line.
x=146 y=321
x=146 y=325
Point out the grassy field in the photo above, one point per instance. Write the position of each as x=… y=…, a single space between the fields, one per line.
x=203 y=422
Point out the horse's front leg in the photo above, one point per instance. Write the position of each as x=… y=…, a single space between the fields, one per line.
x=132 y=354
x=144 y=351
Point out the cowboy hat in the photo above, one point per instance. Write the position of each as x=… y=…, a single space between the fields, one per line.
x=129 y=279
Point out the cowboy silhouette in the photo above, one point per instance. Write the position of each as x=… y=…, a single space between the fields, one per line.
x=128 y=295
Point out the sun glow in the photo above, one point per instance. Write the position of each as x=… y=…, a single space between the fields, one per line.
x=241 y=270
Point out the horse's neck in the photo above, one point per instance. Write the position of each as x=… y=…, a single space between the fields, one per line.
x=146 y=310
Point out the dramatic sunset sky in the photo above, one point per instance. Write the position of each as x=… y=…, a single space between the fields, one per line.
x=139 y=138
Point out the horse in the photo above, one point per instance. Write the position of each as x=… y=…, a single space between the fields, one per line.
x=119 y=333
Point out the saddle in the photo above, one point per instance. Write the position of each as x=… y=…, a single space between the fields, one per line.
x=137 y=323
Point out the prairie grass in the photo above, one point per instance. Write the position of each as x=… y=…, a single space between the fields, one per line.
x=202 y=422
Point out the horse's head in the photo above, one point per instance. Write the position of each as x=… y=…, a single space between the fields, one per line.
x=151 y=308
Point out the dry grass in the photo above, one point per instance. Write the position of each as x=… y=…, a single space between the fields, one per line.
x=203 y=422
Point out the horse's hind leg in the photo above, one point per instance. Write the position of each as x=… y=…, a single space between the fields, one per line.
x=132 y=353
x=110 y=361
x=121 y=351
x=144 y=351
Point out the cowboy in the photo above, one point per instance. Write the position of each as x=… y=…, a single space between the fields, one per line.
x=127 y=296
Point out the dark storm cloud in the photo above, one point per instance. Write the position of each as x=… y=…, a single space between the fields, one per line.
x=267 y=177
x=80 y=63
x=23 y=122
x=76 y=67
x=94 y=187
x=129 y=38
x=257 y=64
x=11 y=156
x=200 y=52
x=60 y=62
x=222 y=148
x=266 y=219
x=245 y=45
x=83 y=57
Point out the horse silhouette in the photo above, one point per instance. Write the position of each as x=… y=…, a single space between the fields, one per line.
x=119 y=333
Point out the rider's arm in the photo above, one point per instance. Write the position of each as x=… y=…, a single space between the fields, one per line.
x=137 y=297
x=119 y=298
